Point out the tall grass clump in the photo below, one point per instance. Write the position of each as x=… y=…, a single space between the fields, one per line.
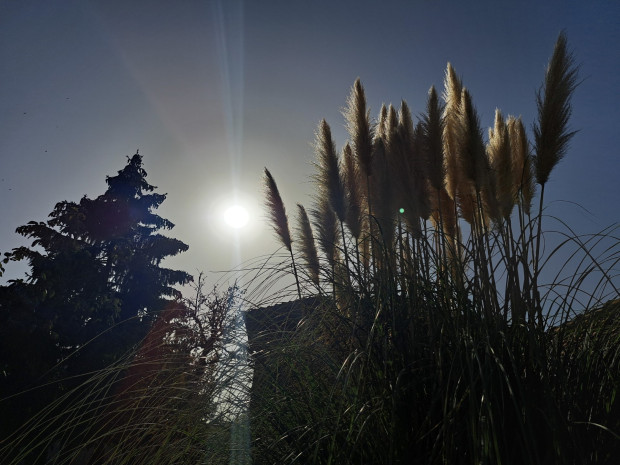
x=428 y=334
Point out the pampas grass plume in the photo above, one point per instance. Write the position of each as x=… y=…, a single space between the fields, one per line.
x=277 y=212
x=433 y=128
x=523 y=175
x=500 y=158
x=307 y=246
x=452 y=98
x=326 y=226
x=357 y=118
x=382 y=127
x=472 y=155
x=551 y=133
x=351 y=180
x=328 y=177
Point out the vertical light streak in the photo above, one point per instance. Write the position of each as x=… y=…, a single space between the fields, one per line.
x=229 y=27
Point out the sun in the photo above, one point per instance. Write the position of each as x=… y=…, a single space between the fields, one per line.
x=236 y=216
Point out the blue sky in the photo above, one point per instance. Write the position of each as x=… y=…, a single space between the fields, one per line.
x=211 y=92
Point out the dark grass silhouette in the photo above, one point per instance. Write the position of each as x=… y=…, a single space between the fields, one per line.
x=431 y=338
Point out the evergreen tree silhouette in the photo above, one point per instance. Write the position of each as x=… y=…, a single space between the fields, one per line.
x=95 y=287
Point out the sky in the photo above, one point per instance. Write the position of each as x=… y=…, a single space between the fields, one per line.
x=211 y=92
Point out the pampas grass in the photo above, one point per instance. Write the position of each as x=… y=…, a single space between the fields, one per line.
x=308 y=248
x=449 y=349
x=279 y=220
x=326 y=226
x=523 y=176
x=277 y=212
x=500 y=158
x=357 y=118
x=328 y=177
x=352 y=184
x=551 y=132
x=433 y=127
x=452 y=97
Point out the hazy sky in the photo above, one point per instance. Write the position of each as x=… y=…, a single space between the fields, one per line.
x=210 y=92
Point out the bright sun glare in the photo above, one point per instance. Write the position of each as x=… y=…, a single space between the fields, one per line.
x=236 y=217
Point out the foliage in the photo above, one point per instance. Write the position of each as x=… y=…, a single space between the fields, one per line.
x=155 y=405
x=95 y=287
x=434 y=339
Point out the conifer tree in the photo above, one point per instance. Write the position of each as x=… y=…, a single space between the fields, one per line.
x=94 y=287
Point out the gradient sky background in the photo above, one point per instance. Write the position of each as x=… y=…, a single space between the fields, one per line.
x=210 y=92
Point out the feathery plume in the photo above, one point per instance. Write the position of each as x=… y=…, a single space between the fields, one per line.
x=474 y=182
x=382 y=189
x=382 y=193
x=445 y=214
x=433 y=127
x=408 y=172
x=326 y=226
x=551 y=133
x=452 y=97
x=405 y=125
x=382 y=127
x=351 y=179
x=466 y=200
x=490 y=205
x=500 y=158
x=521 y=164
x=277 y=212
x=328 y=177
x=391 y=131
x=419 y=171
x=357 y=118
x=471 y=154
x=308 y=248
